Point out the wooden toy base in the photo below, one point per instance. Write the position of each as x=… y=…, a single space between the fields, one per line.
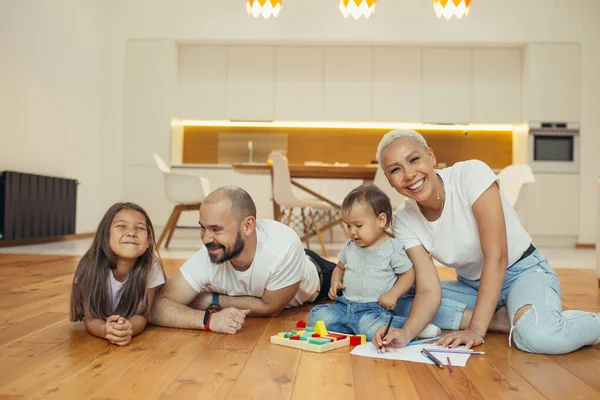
x=317 y=348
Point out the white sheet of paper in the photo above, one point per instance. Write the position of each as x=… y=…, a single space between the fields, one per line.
x=410 y=353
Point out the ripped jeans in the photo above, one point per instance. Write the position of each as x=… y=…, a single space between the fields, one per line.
x=544 y=328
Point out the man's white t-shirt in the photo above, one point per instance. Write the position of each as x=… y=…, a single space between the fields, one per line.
x=453 y=239
x=279 y=261
x=155 y=278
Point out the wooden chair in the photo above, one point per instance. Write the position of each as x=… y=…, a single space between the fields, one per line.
x=284 y=196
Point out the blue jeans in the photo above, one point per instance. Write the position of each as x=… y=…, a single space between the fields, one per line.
x=544 y=328
x=346 y=316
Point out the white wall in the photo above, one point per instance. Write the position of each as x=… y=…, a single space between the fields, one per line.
x=50 y=78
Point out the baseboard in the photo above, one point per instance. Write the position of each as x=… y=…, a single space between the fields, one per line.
x=585 y=246
x=25 y=242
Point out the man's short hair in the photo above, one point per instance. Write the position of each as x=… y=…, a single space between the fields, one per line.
x=242 y=204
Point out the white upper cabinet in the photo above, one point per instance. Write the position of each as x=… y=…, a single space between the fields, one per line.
x=299 y=83
x=497 y=78
x=552 y=82
x=202 y=83
x=348 y=92
x=251 y=83
x=447 y=85
x=397 y=92
x=389 y=84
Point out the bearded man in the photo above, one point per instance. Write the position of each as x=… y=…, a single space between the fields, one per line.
x=247 y=267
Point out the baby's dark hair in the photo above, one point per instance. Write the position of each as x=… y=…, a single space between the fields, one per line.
x=373 y=196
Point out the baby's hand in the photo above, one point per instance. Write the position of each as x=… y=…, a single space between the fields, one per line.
x=333 y=289
x=387 y=301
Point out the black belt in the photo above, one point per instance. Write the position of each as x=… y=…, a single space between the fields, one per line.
x=526 y=254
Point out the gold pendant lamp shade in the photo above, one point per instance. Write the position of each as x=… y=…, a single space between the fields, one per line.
x=450 y=8
x=357 y=8
x=266 y=8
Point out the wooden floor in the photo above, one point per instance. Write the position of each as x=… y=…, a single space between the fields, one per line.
x=42 y=354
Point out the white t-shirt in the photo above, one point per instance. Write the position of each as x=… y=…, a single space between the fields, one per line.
x=155 y=278
x=279 y=261
x=453 y=239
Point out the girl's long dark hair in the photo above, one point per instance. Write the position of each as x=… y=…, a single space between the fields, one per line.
x=91 y=286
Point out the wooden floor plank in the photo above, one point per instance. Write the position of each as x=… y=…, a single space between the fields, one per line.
x=425 y=382
x=494 y=378
x=16 y=298
x=22 y=329
x=269 y=372
x=552 y=380
x=54 y=303
x=328 y=374
x=245 y=339
x=152 y=374
x=59 y=333
x=80 y=380
x=578 y=363
x=210 y=375
x=16 y=354
x=378 y=379
x=34 y=374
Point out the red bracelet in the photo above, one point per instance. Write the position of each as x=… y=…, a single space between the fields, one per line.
x=207 y=315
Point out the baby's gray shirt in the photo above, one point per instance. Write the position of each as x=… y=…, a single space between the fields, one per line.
x=370 y=273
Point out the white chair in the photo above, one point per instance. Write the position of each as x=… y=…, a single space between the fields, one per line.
x=284 y=196
x=185 y=190
x=382 y=183
x=513 y=178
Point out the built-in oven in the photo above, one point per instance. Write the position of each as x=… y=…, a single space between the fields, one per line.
x=554 y=147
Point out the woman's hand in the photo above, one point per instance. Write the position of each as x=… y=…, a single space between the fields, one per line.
x=456 y=338
x=388 y=301
x=333 y=289
x=394 y=339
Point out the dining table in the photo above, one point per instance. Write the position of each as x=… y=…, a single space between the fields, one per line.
x=312 y=171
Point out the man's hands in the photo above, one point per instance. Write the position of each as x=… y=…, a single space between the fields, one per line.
x=388 y=301
x=118 y=330
x=394 y=339
x=333 y=289
x=229 y=320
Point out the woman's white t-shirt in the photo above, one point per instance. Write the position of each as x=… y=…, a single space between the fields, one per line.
x=279 y=261
x=155 y=278
x=453 y=239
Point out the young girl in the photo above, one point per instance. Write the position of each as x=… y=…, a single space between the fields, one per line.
x=116 y=279
x=373 y=270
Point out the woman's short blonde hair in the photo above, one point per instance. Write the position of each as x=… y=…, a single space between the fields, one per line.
x=398 y=134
